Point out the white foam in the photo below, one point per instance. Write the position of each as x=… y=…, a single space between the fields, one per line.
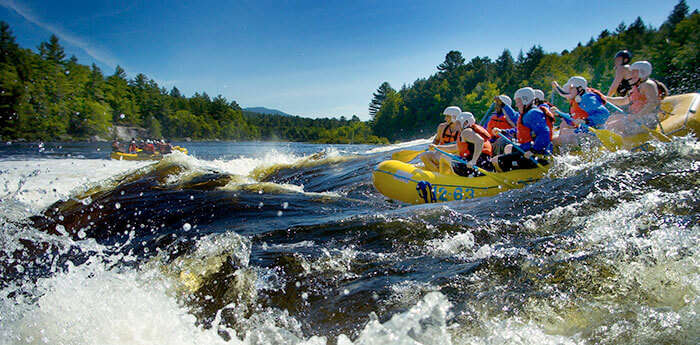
x=39 y=183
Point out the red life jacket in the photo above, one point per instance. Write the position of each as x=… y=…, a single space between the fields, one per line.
x=524 y=134
x=577 y=111
x=497 y=121
x=465 y=148
x=450 y=137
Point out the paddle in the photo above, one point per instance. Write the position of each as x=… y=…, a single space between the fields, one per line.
x=406 y=155
x=487 y=117
x=610 y=140
x=493 y=176
x=539 y=166
x=654 y=132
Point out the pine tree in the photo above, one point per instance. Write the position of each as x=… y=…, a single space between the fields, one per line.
x=52 y=50
x=679 y=12
x=379 y=97
x=453 y=60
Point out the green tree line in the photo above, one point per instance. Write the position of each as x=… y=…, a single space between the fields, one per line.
x=415 y=110
x=46 y=96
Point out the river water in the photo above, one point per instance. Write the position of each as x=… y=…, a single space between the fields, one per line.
x=288 y=243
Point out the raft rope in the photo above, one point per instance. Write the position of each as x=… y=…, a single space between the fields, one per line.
x=425 y=191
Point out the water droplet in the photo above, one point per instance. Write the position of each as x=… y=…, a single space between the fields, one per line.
x=81 y=234
x=279 y=213
x=186 y=226
x=191 y=197
x=117 y=205
x=61 y=229
x=304 y=295
x=285 y=205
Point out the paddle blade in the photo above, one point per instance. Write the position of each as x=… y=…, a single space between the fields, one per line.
x=406 y=155
x=612 y=141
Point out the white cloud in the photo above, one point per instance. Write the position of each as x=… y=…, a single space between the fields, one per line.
x=94 y=52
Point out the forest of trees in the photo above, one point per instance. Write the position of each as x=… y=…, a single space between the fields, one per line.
x=415 y=110
x=46 y=96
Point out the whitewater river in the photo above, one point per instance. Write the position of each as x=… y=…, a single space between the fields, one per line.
x=284 y=243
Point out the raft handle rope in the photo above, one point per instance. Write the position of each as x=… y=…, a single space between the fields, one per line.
x=425 y=191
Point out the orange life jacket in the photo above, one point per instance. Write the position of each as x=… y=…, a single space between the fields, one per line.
x=637 y=100
x=577 y=111
x=465 y=148
x=524 y=135
x=450 y=137
x=497 y=121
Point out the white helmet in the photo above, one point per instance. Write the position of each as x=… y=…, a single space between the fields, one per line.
x=466 y=119
x=577 y=81
x=526 y=94
x=539 y=94
x=452 y=111
x=644 y=68
x=506 y=100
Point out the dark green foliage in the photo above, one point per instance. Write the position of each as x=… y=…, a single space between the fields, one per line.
x=46 y=97
x=415 y=110
x=379 y=97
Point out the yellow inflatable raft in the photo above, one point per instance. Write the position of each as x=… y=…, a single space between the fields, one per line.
x=142 y=156
x=678 y=116
x=406 y=182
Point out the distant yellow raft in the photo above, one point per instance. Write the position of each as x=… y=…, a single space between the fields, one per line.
x=399 y=181
x=142 y=156
x=678 y=116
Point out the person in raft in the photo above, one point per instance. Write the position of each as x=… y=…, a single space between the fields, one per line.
x=447 y=133
x=623 y=74
x=533 y=133
x=586 y=106
x=473 y=146
x=504 y=117
x=643 y=99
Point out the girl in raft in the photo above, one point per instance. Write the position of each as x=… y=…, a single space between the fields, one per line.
x=623 y=74
x=643 y=99
x=473 y=146
x=447 y=133
x=587 y=106
x=504 y=117
x=533 y=132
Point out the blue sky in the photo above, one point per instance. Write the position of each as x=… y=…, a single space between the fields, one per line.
x=309 y=58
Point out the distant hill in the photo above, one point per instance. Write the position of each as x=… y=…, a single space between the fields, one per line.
x=263 y=110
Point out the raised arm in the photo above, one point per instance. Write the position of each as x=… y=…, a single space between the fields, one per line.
x=619 y=74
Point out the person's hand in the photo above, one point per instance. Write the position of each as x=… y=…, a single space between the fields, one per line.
x=555 y=84
x=579 y=122
x=528 y=154
x=508 y=149
x=432 y=147
x=496 y=130
x=472 y=163
x=554 y=110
